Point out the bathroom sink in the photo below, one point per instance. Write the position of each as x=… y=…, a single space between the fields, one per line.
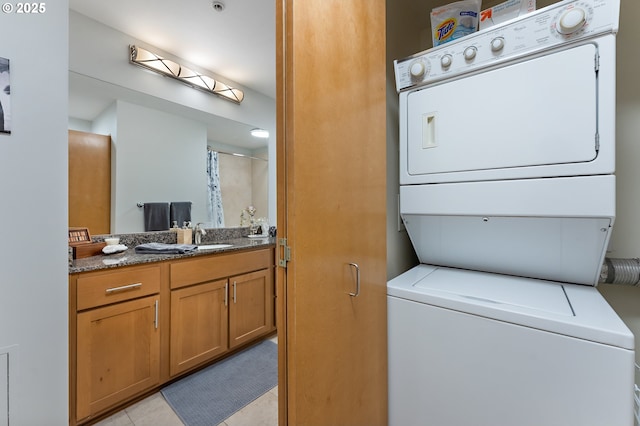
x=214 y=246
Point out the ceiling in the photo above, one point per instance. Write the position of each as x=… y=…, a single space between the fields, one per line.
x=237 y=43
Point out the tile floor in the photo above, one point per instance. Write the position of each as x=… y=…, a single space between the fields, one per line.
x=154 y=411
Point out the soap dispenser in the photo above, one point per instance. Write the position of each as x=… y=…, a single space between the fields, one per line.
x=185 y=234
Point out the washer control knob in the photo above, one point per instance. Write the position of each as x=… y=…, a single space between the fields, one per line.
x=572 y=20
x=497 y=44
x=470 y=53
x=417 y=69
x=446 y=61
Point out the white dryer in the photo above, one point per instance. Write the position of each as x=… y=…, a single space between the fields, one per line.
x=507 y=161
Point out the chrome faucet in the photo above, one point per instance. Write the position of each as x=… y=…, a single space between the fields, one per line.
x=199 y=231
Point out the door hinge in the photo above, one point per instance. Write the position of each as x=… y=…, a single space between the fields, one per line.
x=285 y=251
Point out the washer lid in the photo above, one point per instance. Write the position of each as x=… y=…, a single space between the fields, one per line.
x=568 y=309
x=512 y=293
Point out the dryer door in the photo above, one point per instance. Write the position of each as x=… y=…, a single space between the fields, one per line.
x=539 y=112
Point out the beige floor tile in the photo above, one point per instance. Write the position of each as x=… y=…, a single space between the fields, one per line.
x=119 y=419
x=261 y=412
x=153 y=411
x=274 y=391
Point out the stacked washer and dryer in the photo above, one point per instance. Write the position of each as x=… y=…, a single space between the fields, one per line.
x=507 y=191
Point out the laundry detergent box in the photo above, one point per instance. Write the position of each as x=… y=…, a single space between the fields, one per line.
x=504 y=11
x=455 y=20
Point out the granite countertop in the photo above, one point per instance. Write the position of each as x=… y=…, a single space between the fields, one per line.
x=130 y=257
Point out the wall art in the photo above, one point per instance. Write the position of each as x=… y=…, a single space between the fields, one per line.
x=5 y=92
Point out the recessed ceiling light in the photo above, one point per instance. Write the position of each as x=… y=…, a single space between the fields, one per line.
x=259 y=133
x=218 y=6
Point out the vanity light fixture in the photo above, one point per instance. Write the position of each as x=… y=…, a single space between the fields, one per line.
x=259 y=133
x=151 y=61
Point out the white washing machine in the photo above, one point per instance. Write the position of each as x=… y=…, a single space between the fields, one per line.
x=507 y=191
x=482 y=349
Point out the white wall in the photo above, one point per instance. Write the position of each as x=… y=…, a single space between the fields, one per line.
x=80 y=125
x=33 y=189
x=151 y=167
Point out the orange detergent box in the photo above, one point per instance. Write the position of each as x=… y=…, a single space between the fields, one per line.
x=505 y=11
x=454 y=20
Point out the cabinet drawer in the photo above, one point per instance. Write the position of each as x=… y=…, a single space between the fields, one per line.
x=110 y=287
x=209 y=268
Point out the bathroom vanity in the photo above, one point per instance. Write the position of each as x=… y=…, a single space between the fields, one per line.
x=141 y=322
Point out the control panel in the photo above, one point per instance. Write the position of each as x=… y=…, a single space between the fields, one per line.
x=546 y=28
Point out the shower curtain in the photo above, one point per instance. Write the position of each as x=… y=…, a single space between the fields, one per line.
x=216 y=213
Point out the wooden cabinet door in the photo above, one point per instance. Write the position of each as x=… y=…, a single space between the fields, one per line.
x=90 y=181
x=198 y=324
x=331 y=110
x=118 y=353
x=251 y=301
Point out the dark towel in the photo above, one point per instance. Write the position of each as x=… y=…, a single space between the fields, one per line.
x=156 y=216
x=159 y=248
x=180 y=212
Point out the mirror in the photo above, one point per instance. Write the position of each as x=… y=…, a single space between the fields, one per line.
x=160 y=128
x=159 y=153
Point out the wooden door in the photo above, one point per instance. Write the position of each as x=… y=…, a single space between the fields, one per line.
x=331 y=205
x=250 y=313
x=199 y=325
x=90 y=181
x=118 y=354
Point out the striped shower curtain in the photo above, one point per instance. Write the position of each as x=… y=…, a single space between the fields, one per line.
x=216 y=213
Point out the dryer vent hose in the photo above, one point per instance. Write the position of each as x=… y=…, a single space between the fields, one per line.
x=620 y=271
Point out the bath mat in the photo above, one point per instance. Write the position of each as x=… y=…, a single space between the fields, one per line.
x=209 y=396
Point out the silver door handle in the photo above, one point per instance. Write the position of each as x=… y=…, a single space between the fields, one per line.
x=155 y=320
x=357 y=268
x=234 y=292
x=226 y=293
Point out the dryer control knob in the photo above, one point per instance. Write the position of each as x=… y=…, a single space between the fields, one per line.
x=572 y=20
x=497 y=44
x=470 y=53
x=446 y=61
x=417 y=69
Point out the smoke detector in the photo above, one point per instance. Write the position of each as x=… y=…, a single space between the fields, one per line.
x=218 y=6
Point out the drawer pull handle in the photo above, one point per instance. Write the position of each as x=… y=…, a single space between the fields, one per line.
x=226 y=293
x=124 y=288
x=234 y=292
